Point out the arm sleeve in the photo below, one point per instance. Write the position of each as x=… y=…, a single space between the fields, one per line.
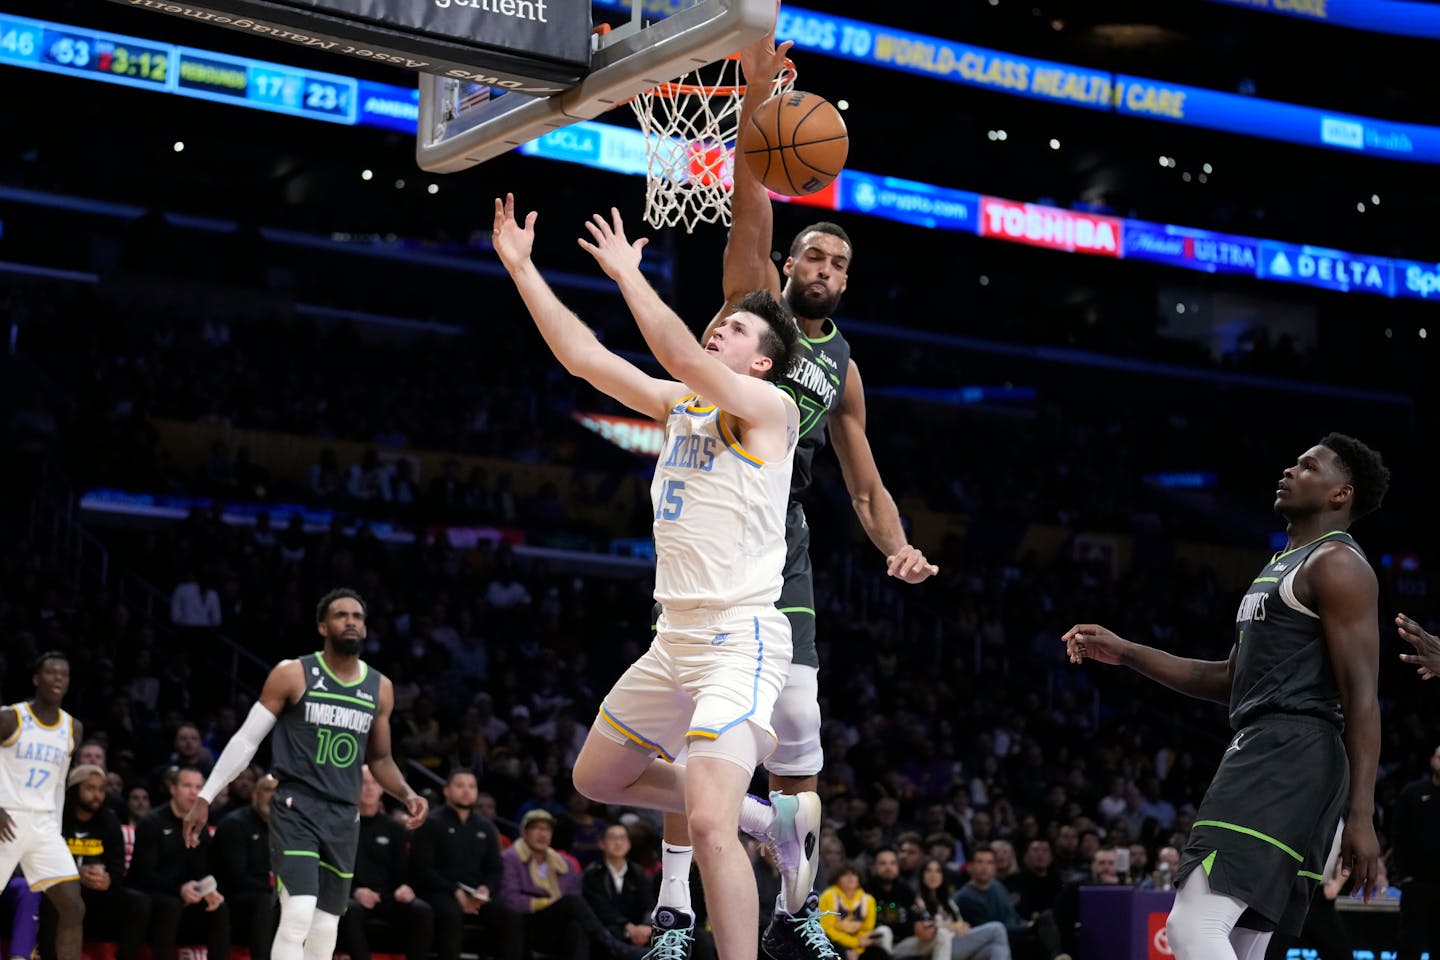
x=239 y=751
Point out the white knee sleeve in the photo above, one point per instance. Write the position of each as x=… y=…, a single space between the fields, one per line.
x=296 y=914
x=1250 y=944
x=320 y=943
x=796 y=719
x=1200 y=924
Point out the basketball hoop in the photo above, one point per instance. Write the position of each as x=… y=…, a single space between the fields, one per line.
x=690 y=126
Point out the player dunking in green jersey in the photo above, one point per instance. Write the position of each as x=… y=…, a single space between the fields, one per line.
x=1301 y=675
x=331 y=716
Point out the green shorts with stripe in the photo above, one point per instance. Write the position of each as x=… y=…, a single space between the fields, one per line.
x=1267 y=823
x=312 y=846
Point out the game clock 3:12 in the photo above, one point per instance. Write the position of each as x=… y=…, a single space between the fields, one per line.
x=102 y=55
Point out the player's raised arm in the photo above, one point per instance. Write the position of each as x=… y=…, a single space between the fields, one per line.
x=573 y=343
x=747 y=398
x=284 y=686
x=747 y=264
x=873 y=503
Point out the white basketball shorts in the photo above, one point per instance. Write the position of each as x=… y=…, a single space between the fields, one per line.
x=39 y=850
x=705 y=672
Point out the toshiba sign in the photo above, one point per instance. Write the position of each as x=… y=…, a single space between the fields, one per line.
x=1050 y=227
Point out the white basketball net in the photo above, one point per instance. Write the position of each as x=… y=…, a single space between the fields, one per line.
x=689 y=128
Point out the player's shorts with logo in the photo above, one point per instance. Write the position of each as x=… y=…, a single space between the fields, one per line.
x=313 y=841
x=1267 y=823
x=706 y=671
x=39 y=849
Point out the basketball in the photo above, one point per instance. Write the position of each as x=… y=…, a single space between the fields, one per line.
x=795 y=143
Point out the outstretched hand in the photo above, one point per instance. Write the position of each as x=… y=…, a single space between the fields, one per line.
x=909 y=564
x=1090 y=641
x=1427 y=647
x=512 y=241
x=615 y=254
x=762 y=61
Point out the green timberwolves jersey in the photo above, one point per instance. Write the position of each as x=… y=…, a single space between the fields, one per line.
x=319 y=741
x=1281 y=662
x=815 y=381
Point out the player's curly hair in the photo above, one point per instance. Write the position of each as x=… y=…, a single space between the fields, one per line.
x=1368 y=473
x=824 y=226
x=322 y=609
x=779 y=336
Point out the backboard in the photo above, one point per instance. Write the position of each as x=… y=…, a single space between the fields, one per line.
x=463 y=123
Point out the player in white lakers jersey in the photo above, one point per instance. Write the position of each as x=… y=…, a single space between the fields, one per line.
x=722 y=651
x=36 y=740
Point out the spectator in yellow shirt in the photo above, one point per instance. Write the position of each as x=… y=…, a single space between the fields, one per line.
x=847 y=915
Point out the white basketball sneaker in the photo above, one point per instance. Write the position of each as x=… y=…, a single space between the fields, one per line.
x=794 y=835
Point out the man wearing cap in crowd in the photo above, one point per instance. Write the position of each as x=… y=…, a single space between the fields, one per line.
x=543 y=884
x=113 y=911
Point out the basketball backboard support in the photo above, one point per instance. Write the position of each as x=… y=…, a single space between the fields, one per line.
x=462 y=125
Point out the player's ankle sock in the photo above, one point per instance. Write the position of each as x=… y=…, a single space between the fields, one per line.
x=756 y=815
x=675 y=876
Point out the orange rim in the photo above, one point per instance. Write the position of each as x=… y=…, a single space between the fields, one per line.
x=787 y=75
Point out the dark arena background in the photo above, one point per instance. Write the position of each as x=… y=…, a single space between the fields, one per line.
x=1117 y=265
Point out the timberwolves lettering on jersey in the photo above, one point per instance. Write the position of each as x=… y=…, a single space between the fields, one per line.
x=1281 y=662
x=319 y=741
x=34 y=760
x=719 y=515
x=816 y=382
